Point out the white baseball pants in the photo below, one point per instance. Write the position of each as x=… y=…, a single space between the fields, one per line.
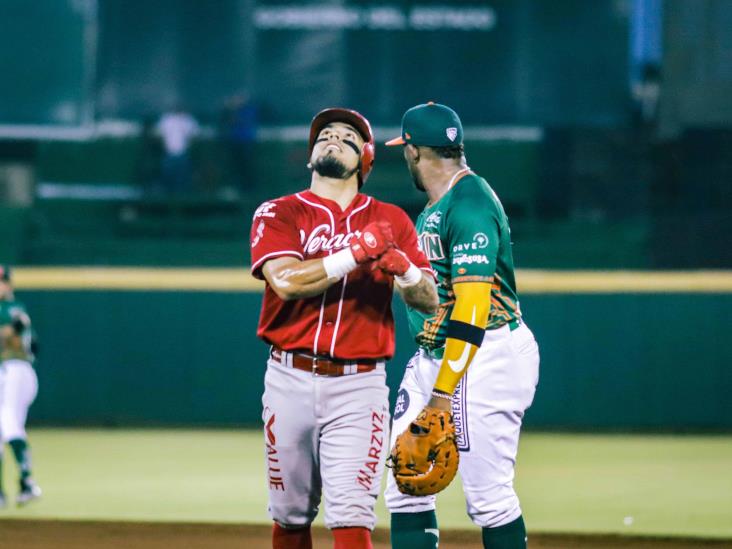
x=18 y=390
x=324 y=435
x=488 y=407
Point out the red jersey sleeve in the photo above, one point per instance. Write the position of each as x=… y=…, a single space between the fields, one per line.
x=273 y=234
x=406 y=238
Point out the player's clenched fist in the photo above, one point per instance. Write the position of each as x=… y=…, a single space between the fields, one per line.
x=394 y=261
x=376 y=238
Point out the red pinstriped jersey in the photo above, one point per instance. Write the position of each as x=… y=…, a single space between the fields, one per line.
x=353 y=318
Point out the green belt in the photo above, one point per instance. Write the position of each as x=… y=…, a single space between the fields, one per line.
x=515 y=323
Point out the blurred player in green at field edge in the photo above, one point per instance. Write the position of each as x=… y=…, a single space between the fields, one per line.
x=18 y=386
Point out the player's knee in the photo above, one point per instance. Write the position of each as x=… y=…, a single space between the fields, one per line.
x=289 y=516
x=11 y=428
x=396 y=502
x=351 y=513
x=496 y=514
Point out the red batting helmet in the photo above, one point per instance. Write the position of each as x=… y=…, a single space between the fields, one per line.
x=358 y=121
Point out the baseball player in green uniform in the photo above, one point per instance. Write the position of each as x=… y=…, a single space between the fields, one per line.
x=477 y=358
x=18 y=386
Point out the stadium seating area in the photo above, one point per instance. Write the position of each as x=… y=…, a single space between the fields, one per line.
x=96 y=202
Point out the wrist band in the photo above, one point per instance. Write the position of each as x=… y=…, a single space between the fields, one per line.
x=410 y=278
x=441 y=394
x=339 y=264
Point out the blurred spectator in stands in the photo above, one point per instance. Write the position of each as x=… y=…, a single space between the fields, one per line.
x=177 y=128
x=147 y=169
x=239 y=134
x=646 y=94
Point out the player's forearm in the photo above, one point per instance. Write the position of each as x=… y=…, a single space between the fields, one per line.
x=302 y=279
x=422 y=296
x=464 y=333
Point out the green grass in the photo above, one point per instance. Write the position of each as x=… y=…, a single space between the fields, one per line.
x=567 y=483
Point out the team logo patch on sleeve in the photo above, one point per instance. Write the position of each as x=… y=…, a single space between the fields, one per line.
x=402 y=403
x=481 y=240
x=259 y=234
x=266 y=209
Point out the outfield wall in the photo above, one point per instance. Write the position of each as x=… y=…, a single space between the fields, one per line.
x=620 y=350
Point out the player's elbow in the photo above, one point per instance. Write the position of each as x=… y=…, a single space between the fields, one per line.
x=288 y=291
x=424 y=299
x=427 y=305
x=432 y=304
x=285 y=292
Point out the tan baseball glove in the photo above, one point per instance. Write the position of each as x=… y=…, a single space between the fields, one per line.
x=425 y=457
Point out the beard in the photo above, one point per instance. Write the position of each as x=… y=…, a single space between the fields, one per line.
x=416 y=177
x=329 y=166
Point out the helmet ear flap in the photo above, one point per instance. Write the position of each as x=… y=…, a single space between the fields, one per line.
x=366 y=163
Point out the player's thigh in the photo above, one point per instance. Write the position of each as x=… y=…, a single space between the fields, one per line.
x=354 y=442
x=2 y=382
x=526 y=359
x=487 y=460
x=20 y=384
x=19 y=391
x=499 y=386
x=290 y=446
x=414 y=393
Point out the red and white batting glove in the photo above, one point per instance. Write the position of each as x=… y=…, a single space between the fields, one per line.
x=375 y=239
x=395 y=262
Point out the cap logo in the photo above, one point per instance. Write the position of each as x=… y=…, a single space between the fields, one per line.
x=451 y=133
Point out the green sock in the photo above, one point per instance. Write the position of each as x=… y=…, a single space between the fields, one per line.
x=22 y=457
x=508 y=536
x=414 y=530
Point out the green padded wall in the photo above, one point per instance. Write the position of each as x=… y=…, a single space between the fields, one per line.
x=640 y=361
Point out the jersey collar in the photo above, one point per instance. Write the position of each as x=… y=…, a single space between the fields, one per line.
x=332 y=205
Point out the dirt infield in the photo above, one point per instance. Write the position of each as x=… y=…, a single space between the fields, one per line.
x=36 y=534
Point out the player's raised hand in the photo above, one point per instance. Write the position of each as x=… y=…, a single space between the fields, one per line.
x=376 y=238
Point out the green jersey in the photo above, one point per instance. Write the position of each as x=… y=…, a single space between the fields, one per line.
x=13 y=312
x=466 y=237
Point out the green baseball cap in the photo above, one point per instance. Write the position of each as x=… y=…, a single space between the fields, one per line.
x=430 y=124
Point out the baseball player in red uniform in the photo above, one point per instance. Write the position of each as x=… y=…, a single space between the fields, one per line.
x=331 y=257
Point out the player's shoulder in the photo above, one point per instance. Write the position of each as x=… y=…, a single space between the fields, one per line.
x=472 y=185
x=276 y=207
x=473 y=191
